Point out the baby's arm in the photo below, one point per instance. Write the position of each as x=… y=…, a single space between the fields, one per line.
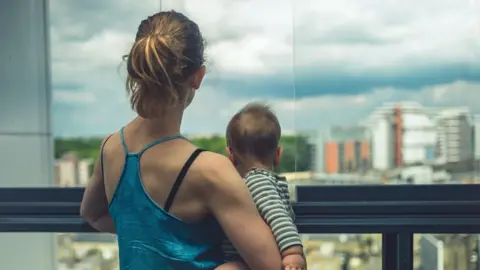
x=271 y=207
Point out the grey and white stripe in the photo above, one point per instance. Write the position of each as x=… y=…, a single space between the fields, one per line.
x=270 y=194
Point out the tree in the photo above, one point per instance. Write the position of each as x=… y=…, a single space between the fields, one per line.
x=296 y=154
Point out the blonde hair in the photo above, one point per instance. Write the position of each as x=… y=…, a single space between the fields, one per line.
x=168 y=50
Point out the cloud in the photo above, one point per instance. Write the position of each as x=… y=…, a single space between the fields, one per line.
x=75 y=97
x=320 y=112
x=330 y=60
x=211 y=111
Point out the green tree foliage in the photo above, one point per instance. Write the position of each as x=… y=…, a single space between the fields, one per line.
x=83 y=147
x=296 y=155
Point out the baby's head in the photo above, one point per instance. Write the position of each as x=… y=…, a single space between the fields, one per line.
x=253 y=136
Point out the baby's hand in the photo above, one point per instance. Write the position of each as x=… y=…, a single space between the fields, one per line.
x=294 y=262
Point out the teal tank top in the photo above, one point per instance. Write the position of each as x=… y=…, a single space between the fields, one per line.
x=149 y=237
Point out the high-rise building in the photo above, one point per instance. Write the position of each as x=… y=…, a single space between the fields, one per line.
x=343 y=150
x=402 y=134
x=455 y=132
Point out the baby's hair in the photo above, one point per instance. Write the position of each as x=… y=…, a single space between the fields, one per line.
x=168 y=50
x=254 y=132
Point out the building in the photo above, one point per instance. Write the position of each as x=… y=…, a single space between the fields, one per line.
x=476 y=136
x=66 y=173
x=25 y=124
x=455 y=132
x=70 y=171
x=343 y=150
x=402 y=134
x=85 y=170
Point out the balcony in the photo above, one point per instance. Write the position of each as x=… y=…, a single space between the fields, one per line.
x=396 y=212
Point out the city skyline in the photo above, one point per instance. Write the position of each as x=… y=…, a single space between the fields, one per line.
x=347 y=59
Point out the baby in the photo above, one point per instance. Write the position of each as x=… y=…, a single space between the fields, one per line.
x=253 y=136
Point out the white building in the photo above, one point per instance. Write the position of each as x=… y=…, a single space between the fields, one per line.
x=65 y=173
x=382 y=143
x=84 y=171
x=476 y=136
x=402 y=134
x=455 y=135
x=71 y=171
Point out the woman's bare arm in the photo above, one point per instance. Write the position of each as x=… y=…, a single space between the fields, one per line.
x=94 y=207
x=231 y=203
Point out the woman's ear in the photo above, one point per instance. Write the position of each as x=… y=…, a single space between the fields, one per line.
x=198 y=77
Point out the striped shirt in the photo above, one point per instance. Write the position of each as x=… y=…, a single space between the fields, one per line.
x=270 y=193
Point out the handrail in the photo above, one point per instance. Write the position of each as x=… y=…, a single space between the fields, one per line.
x=320 y=209
x=396 y=211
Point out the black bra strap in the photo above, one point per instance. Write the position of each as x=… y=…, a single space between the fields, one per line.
x=181 y=176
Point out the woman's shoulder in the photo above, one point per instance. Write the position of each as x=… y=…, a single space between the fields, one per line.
x=215 y=171
x=212 y=165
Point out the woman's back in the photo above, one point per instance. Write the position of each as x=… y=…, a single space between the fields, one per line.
x=159 y=221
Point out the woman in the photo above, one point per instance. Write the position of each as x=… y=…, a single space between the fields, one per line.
x=167 y=200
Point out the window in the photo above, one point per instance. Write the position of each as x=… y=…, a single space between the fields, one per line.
x=364 y=92
x=370 y=92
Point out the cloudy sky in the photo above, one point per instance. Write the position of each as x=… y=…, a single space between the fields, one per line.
x=317 y=62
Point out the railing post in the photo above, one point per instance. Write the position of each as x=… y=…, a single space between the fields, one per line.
x=397 y=251
x=405 y=251
x=389 y=251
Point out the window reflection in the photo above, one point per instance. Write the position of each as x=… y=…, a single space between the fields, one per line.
x=389 y=99
x=380 y=93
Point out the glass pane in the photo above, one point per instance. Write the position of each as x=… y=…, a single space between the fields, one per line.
x=62 y=251
x=389 y=90
x=248 y=59
x=343 y=251
x=447 y=251
x=88 y=40
x=87 y=251
x=37 y=251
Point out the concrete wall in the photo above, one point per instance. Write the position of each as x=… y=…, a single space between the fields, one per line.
x=26 y=158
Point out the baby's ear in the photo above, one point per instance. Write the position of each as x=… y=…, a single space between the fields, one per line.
x=278 y=156
x=230 y=154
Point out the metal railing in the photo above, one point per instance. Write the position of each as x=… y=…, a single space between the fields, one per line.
x=396 y=212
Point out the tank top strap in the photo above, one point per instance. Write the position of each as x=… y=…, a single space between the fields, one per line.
x=180 y=177
x=122 y=138
x=125 y=148
x=160 y=141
